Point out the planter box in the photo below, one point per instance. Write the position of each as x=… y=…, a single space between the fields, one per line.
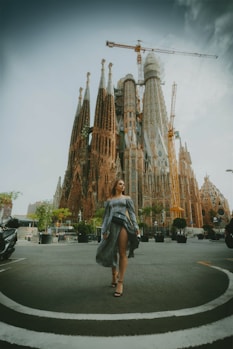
x=82 y=238
x=159 y=238
x=181 y=238
x=46 y=239
x=144 y=238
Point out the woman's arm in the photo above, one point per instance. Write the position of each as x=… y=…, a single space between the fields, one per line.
x=105 y=224
x=132 y=215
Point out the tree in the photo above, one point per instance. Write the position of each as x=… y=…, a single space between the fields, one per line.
x=180 y=223
x=44 y=215
x=146 y=211
x=98 y=217
x=32 y=216
x=157 y=208
x=6 y=199
x=61 y=213
x=152 y=212
x=84 y=228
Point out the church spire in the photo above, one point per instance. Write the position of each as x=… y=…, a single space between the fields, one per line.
x=100 y=100
x=58 y=194
x=102 y=78
x=87 y=91
x=84 y=123
x=109 y=123
x=110 y=90
x=75 y=124
x=79 y=100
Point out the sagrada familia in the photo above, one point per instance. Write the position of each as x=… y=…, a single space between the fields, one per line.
x=129 y=140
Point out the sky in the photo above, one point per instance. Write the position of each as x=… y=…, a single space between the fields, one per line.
x=47 y=48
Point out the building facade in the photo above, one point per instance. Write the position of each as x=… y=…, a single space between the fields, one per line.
x=215 y=208
x=128 y=140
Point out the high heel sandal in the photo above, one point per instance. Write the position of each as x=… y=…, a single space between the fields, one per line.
x=114 y=279
x=119 y=294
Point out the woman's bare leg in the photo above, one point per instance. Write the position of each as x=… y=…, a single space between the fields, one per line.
x=123 y=260
x=114 y=276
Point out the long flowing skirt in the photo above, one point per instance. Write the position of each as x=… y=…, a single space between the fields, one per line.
x=106 y=254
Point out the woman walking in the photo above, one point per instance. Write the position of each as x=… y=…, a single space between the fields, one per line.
x=119 y=230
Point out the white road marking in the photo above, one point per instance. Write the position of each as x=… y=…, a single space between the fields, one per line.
x=225 y=297
x=7 y=263
x=171 y=340
x=14 y=261
x=2 y=270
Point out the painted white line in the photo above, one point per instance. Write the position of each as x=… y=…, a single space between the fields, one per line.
x=17 y=260
x=225 y=297
x=171 y=340
x=2 y=270
x=7 y=263
x=14 y=261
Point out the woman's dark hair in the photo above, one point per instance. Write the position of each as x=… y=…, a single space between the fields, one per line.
x=113 y=191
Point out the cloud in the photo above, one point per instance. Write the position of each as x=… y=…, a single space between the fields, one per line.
x=214 y=20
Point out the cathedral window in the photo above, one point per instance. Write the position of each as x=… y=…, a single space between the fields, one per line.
x=106 y=146
x=109 y=147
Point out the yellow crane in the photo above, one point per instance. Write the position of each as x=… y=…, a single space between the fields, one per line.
x=174 y=176
x=138 y=49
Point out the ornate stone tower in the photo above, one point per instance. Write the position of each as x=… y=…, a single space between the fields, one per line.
x=102 y=168
x=58 y=194
x=189 y=191
x=213 y=203
x=130 y=145
x=155 y=129
x=75 y=183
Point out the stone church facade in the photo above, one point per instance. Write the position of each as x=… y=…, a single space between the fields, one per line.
x=128 y=140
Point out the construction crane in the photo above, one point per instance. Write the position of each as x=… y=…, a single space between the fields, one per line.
x=138 y=49
x=174 y=177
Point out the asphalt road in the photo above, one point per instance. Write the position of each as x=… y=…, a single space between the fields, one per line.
x=175 y=296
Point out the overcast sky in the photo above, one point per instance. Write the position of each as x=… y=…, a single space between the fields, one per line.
x=47 y=48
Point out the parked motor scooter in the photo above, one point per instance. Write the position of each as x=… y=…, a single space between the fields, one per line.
x=8 y=237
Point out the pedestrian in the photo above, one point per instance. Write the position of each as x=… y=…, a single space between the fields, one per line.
x=119 y=231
